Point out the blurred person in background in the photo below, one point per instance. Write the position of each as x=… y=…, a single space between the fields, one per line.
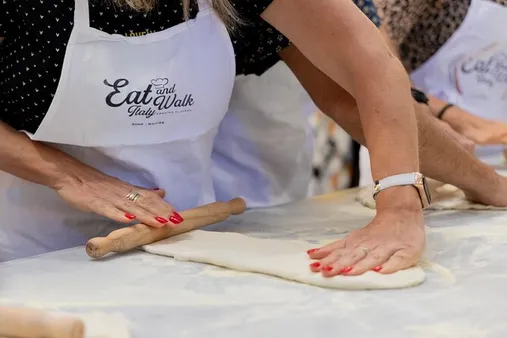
x=455 y=53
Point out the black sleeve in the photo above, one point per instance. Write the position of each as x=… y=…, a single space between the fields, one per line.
x=4 y=17
x=257 y=43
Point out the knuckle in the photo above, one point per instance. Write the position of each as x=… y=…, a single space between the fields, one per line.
x=98 y=204
x=354 y=256
x=144 y=201
x=127 y=204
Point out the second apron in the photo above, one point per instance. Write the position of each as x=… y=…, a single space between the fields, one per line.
x=263 y=151
x=469 y=70
x=142 y=109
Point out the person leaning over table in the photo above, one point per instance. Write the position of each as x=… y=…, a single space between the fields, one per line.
x=90 y=152
x=455 y=52
x=273 y=165
x=439 y=152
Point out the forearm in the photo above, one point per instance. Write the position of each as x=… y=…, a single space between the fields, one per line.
x=388 y=120
x=31 y=161
x=350 y=50
x=458 y=119
x=441 y=157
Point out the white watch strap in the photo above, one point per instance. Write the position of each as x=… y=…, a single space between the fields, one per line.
x=397 y=180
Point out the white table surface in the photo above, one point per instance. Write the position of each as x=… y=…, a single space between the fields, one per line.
x=466 y=295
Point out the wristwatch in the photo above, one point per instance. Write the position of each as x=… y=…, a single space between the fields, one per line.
x=419 y=96
x=415 y=179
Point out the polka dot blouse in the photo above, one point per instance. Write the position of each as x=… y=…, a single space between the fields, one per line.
x=36 y=33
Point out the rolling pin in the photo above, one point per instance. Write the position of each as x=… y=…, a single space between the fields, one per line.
x=131 y=237
x=19 y=322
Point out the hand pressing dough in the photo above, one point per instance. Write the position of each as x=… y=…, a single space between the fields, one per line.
x=444 y=197
x=279 y=258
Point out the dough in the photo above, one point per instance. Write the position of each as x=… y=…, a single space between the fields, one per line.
x=444 y=197
x=280 y=258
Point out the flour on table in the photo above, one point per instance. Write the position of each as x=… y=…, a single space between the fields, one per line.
x=275 y=257
x=444 y=197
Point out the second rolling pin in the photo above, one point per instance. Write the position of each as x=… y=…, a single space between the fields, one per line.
x=34 y=323
x=131 y=237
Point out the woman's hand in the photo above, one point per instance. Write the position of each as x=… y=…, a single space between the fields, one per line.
x=465 y=142
x=393 y=241
x=473 y=127
x=487 y=132
x=82 y=186
x=89 y=190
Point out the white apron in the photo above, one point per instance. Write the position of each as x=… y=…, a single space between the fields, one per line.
x=469 y=70
x=263 y=151
x=142 y=109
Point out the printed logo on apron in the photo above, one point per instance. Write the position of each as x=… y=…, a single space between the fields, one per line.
x=147 y=107
x=483 y=74
x=185 y=82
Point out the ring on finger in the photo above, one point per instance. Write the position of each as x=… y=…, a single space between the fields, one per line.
x=133 y=196
x=365 y=250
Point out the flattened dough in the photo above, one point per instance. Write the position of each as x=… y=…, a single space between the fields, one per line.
x=279 y=258
x=444 y=197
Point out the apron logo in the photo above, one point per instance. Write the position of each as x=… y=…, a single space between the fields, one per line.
x=158 y=98
x=490 y=71
x=486 y=67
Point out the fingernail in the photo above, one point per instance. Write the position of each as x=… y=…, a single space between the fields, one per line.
x=346 y=269
x=175 y=220
x=156 y=189
x=161 y=220
x=328 y=268
x=130 y=216
x=177 y=216
x=377 y=268
x=312 y=251
x=315 y=265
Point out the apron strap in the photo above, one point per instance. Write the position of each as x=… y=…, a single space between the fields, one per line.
x=81 y=13
x=204 y=5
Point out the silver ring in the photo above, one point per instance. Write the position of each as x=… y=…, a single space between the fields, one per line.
x=366 y=250
x=133 y=196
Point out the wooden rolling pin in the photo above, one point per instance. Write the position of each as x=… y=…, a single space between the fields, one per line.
x=19 y=322
x=129 y=238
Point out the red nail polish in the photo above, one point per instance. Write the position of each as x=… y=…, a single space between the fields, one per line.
x=312 y=251
x=377 y=268
x=130 y=216
x=346 y=269
x=328 y=268
x=161 y=220
x=315 y=265
x=156 y=189
x=177 y=216
x=175 y=220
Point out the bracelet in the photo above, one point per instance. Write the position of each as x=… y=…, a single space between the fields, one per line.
x=419 y=96
x=444 y=110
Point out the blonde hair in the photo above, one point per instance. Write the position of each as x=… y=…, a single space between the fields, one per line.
x=223 y=8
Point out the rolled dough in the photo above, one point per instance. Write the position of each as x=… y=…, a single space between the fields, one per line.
x=444 y=197
x=280 y=258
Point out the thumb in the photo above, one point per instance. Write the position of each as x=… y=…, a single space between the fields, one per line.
x=160 y=192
